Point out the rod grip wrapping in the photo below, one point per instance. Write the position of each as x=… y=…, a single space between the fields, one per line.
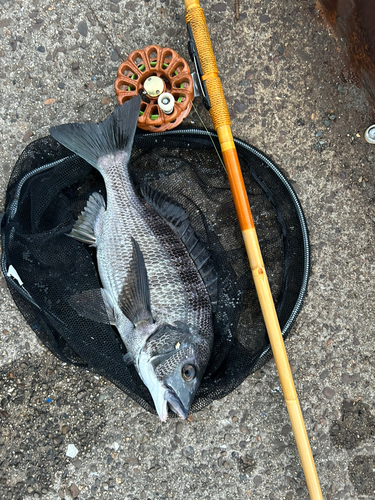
x=219 y=111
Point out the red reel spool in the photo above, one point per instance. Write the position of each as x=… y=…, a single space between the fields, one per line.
x=137 y=76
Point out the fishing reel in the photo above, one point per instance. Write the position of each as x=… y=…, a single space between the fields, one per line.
x=162 y=78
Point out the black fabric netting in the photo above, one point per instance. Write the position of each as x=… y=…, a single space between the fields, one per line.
x=49 y=187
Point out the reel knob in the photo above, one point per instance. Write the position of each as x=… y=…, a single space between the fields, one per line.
x=155 y=72
x=166 y=102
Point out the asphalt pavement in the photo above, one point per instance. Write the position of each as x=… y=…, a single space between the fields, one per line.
x=68 y=433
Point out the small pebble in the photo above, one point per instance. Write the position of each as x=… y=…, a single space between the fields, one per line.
x=326 y=123
x=328 y=392
x=114 y=56
x=332 y=117
x=4 y=23
x=188 y=451
x=257 y=480
x=49 y=101
x=267 y=70
x=266 y=83
x=75 y=65
x=61 y=85
x=286 y=429
x=82 y=28
x=179 y=427
x=106 y=101
x=74 y=491
x=219 y=7
x=41 y=48
x=26 y=137
x=346 y=378
x=71 y=451
x=319 y=133
x=240 y=107
x=250 y=91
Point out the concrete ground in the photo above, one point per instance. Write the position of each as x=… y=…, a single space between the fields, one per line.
x=290 y=94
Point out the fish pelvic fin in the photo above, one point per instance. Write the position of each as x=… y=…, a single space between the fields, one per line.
x=84 y=228
x=92 y=141
x=134 y=300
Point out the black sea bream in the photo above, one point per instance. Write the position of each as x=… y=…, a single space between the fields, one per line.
x=158 y=284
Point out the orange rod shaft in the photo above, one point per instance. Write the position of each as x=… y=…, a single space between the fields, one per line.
x=220 y=117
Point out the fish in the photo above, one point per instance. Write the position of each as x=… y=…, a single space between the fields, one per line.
x=158 y=281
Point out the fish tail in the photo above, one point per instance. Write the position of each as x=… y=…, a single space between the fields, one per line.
x=92 y=141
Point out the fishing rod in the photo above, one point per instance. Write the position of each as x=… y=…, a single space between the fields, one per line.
x=210 y=79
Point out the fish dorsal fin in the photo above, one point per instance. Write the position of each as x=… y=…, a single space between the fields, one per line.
x=92 y=141
x=84 y=228
x=176 y=217
x=134 y=300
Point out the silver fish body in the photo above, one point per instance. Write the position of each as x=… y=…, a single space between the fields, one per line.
x=151 y=286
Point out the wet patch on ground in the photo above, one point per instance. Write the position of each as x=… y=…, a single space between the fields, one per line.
x=356 y=425
x=362 y=474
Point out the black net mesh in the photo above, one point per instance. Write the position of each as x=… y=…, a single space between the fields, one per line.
x=49 y=187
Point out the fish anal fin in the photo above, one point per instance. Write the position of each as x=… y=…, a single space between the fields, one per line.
x=134 y=300
x=93 y=304
x=84 y=228
x=128 y=359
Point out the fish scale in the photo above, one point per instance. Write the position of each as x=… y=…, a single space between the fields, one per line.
x=124 y=217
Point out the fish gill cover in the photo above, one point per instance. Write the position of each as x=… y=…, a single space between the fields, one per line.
x=50 y=186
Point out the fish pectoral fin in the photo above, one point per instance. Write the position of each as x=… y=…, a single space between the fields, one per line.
x=93 y=304
x=134 y=299
x=84 y=228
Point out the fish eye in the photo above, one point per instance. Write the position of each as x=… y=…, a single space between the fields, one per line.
x=188 y=372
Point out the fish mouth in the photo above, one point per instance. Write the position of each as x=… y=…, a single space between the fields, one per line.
x=175 y=404
x=168 y=400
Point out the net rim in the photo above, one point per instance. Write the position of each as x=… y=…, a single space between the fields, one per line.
x=188 y=134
